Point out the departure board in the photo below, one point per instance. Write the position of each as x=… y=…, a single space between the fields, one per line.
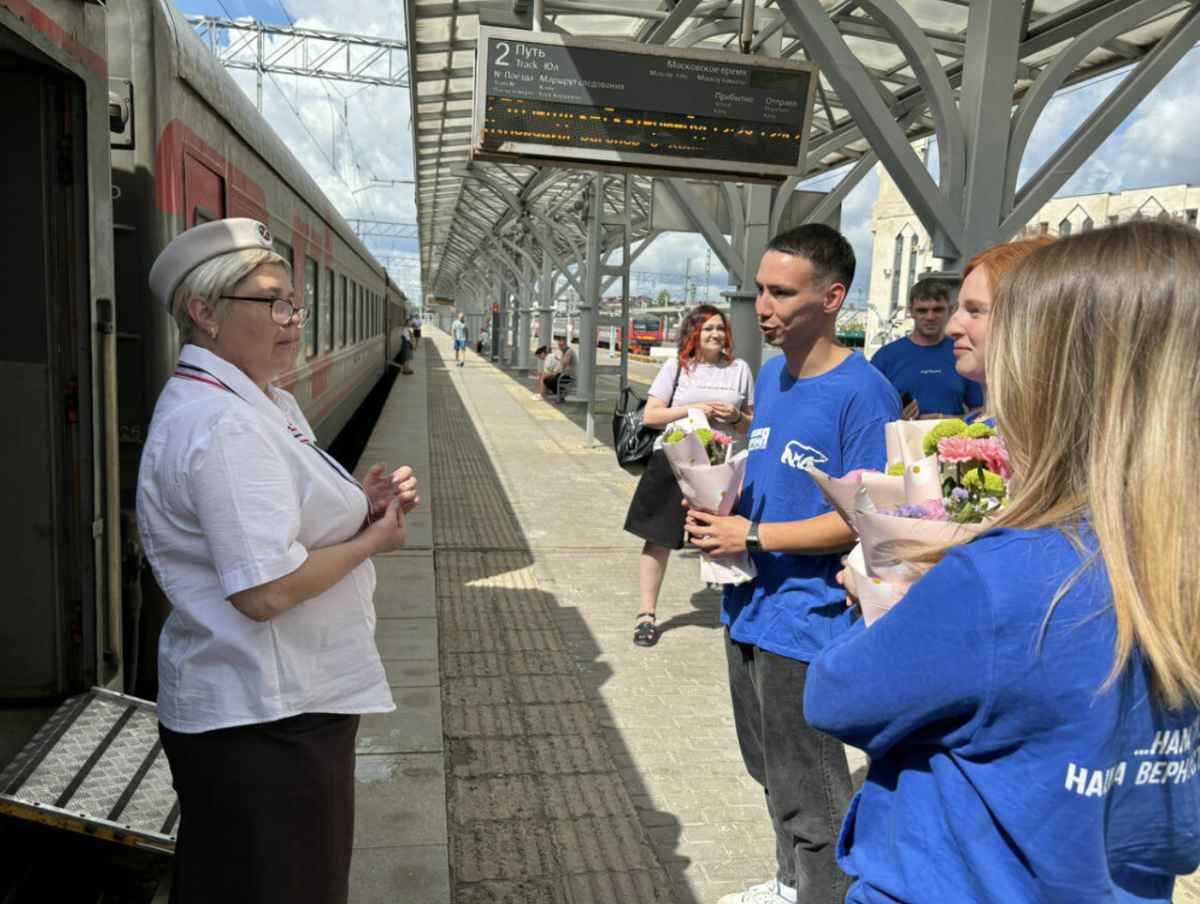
x=550 y=99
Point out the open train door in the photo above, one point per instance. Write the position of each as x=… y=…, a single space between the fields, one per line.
x=55 y=538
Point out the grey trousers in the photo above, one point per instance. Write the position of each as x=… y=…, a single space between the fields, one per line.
x=803 y=771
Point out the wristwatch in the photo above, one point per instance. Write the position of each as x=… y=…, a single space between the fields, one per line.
x=752 y=542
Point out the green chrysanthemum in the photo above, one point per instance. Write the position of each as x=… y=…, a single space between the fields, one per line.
x=978 y=431
x=675 y=437
x=992 y=483
x=705 y=436
x=954 y=427
x=896 y=469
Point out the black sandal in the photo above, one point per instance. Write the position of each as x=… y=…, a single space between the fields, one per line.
x=646 y=633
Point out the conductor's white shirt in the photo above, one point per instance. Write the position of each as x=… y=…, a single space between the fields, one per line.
x=232 y=493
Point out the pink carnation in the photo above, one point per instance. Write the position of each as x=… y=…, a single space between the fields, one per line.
x=960 y=449
x=721 y=439
x=989 y=449
x=935 y=510
x=995 y=455
x=856 y=475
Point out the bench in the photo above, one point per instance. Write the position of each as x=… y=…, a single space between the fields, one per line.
x=566 y=385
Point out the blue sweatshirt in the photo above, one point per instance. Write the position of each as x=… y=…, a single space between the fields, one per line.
x=1001 y=773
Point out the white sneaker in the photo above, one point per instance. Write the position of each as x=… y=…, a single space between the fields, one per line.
x=767 y=893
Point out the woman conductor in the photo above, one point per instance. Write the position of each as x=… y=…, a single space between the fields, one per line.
x=262 y=544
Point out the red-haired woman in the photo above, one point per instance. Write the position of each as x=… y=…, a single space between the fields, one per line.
x=704 y=375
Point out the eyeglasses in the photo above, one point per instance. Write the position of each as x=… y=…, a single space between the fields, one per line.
x=282 y=310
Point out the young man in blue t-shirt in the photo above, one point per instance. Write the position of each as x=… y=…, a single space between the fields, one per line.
x=818 y=404
x=921 y=364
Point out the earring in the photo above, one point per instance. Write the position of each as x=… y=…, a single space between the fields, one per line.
x=213 y=332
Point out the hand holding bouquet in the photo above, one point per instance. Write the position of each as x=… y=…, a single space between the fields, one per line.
x=945 y=479
x=709 y=480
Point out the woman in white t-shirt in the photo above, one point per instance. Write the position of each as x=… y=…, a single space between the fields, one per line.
x=704 y=375
x=262 y=544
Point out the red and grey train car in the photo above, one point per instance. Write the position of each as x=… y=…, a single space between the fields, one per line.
x=124 y=131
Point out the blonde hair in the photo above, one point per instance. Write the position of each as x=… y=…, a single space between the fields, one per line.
x=216 y=277
x=1094 y=377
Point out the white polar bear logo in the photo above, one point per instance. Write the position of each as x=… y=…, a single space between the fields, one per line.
x=798 y=455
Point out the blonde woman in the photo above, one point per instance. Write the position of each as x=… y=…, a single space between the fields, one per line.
x=1032 y=710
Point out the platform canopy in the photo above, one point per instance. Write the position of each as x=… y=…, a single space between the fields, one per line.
x=890 y=73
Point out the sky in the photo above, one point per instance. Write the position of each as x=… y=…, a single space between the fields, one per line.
x=356 y=141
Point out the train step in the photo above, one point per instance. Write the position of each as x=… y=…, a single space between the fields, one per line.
x=97 y=767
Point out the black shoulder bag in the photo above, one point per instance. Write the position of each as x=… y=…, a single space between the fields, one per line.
x=632 y=439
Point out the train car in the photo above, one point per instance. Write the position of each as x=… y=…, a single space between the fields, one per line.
x=646 y=331
x=127 y=132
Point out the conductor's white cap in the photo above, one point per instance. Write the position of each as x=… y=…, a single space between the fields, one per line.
x=190 y=249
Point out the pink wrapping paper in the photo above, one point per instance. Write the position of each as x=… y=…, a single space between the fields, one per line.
x=876 y=596
x=885 y=491
x=713 y=488
x=905 y=439
x=881 y=583
x=883 y=536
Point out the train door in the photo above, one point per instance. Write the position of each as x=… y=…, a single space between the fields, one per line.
x=47 y=555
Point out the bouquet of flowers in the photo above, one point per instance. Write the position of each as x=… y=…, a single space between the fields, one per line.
x=944 y=481
x=709 y=479
x=716 y=445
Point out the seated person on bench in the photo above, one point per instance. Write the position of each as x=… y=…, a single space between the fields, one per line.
x=548 y=382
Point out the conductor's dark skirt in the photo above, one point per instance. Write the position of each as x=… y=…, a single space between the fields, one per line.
x=266 y=811
x=656 y=512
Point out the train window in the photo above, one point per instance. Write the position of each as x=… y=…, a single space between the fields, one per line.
x=311 y=301
x=340 y=316
x=327 y=311
x=351 y=312
x=284 y=250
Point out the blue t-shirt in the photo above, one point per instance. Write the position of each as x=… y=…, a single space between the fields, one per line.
x=927 y=373
x=1000 y=772
x=835 y=422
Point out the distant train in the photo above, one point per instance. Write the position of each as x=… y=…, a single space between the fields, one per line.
x=123 y=132
x=647 y=329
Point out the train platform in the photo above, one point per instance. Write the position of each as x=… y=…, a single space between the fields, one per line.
x=537 y=755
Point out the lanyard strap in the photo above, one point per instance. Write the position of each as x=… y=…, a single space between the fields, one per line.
x=215 y=381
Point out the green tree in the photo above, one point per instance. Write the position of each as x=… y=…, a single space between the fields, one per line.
x=664 y=299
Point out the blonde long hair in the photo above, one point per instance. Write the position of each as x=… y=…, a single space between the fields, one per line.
x=1093 y=367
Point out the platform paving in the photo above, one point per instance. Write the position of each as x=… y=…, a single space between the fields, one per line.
x=537 y=755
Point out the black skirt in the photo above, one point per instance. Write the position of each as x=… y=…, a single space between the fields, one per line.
x=656 y=512
x=266 y=811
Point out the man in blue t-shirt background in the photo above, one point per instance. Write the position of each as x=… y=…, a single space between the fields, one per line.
x=817 y=404
x=921 y=364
